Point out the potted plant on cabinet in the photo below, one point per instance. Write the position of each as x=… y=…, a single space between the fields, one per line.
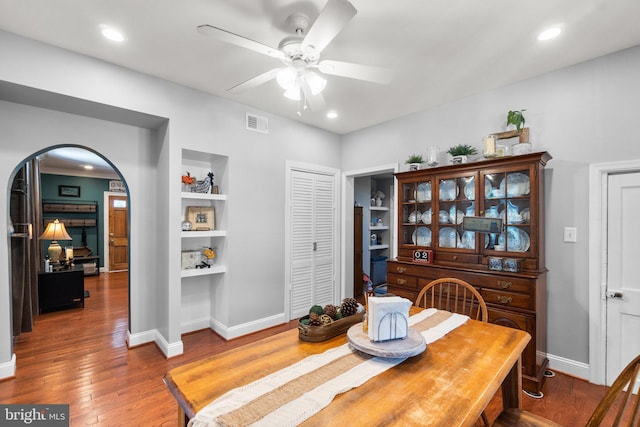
x=516 y=118
x=415 y=162
x=461 y=152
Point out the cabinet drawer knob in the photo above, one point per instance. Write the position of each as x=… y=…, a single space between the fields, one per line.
x=401 y=269
x=504 y=300
x=401 y=281
x=455 y=257
x=503 y=284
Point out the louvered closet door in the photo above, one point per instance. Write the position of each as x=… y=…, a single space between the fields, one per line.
x=312 y=241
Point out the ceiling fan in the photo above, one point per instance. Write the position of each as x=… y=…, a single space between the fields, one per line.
x=300 y=54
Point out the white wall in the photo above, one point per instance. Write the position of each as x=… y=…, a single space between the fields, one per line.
x=150 y=162
x=581 y=115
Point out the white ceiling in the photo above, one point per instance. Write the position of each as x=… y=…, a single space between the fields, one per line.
x=440 y=50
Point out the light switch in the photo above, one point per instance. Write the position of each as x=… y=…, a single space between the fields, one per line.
x=570 y=234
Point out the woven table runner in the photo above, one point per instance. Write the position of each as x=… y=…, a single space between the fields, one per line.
x=293 y=394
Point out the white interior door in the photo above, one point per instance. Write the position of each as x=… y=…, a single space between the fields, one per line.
x=312 y=241
x=623 y=281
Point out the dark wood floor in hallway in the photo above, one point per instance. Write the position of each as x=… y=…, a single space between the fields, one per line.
x=80 y=357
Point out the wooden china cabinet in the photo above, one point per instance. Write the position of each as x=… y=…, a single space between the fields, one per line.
x=432 y=242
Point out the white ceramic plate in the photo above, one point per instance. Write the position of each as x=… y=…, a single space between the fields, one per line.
x=449 y=238
x=448 y=190
x=517 y=240
x=426 y=216
x=422 y=237
x=470 y=189
x=518 y=184
x=443 y=217
x=456 y=216
x=424 y=192
x=468 y=240
x=414 y=217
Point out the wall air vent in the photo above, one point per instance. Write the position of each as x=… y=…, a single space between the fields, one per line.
x=257 y=123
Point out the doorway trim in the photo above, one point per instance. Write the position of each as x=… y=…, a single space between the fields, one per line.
x=348 y=198
x=598 y=189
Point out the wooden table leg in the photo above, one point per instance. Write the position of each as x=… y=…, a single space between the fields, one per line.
x=182 y=418
x=512 y=387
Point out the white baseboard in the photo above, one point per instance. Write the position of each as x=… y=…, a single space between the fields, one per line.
x=194 y=325
x=140 y=338
x=569 y=367
x=168 y=349
x=246 y=328
x=8 y=369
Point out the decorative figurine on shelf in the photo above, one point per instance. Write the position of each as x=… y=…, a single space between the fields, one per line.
x=378 y=196
x=208 y=254
x=205 y=185
x=187 y=182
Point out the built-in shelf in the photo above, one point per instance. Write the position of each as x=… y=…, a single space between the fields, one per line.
x=209 y=233
x=378 y=227
x=193 y=272
x=203 y=196
x=376 y=247
x=379 y=208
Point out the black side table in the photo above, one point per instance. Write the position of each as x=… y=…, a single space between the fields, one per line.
x=61 y=289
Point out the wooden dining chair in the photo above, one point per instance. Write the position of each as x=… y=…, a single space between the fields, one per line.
x=627 y=411
x=456 y=296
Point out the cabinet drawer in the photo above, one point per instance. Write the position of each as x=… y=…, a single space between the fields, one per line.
x=405 y=268
x=504 y=283
x=507 y=299
x=402 y=280
x=451 y=257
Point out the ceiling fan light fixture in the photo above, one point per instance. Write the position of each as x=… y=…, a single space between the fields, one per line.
x=286 y=78
x=293 y=92
x=316 y=83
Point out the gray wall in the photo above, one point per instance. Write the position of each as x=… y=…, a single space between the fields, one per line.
x=149 y=160
x=581 y=115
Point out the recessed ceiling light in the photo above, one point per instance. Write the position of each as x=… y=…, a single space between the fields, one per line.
x=112 y=33
x=332 y=114
x=88 y=167
x=549 y=33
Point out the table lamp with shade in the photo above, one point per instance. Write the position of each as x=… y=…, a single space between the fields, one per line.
x=55 y=231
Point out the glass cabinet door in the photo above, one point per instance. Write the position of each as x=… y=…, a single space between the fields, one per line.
x=456 y=199
x=416 y=214
x=507 y=195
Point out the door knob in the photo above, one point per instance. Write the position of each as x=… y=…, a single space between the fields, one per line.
x=614 y=294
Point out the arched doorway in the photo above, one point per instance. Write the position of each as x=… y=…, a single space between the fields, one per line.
x=68 y=176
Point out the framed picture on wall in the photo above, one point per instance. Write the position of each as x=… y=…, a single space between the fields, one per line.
x=202 y=218
x=68 y=191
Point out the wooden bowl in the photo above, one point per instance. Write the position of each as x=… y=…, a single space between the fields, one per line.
x=325 y=332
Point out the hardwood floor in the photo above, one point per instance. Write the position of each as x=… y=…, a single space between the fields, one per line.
x=80 y=357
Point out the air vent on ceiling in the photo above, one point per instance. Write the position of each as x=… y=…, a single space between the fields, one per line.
x=257 y=123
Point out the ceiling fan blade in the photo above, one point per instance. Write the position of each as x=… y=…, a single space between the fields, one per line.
x=255 y=81
x=330 y=22
x=315 y=102
x=229 y=37
x=356 y=71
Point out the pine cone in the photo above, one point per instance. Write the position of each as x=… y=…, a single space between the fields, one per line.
x=314 y=320
x=331 y=311
x=325 y=319
x=349 y=307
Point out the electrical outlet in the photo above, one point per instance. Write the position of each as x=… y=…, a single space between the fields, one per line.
x=570 y=234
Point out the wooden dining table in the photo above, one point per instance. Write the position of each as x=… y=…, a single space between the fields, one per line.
x=449 y=384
